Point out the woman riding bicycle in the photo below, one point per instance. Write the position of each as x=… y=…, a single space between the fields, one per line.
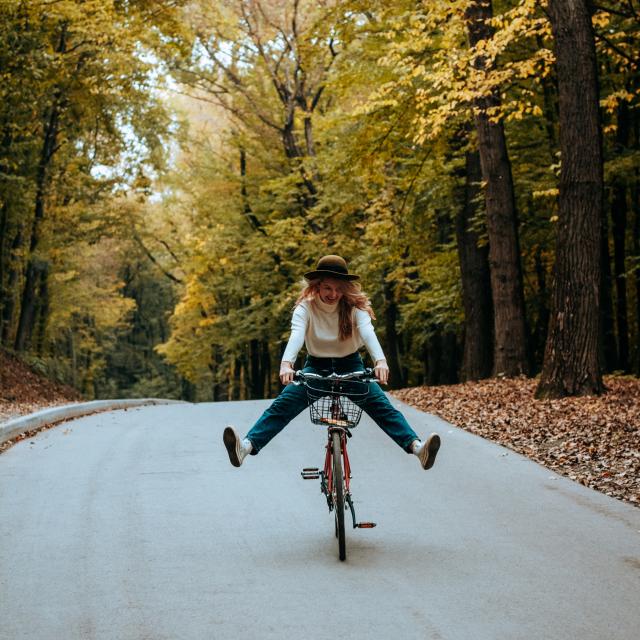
x=332 y=318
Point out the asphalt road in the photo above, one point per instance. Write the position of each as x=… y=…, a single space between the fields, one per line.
x=133 y=525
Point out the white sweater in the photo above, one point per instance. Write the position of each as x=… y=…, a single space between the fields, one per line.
x=316 y=325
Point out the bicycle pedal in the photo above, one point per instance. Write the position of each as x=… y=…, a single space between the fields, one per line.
x=366 y=525
x=310 y=473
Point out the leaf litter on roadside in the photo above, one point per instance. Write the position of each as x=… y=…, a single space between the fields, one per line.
x=24 y=391
x=594 y=440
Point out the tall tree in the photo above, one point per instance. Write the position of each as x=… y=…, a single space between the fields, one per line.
x=635 y=194
x=619 y=228
x=571 y=363
x=36 y=268
x=87 y=94
x=608 y=346
x=510 y=334
x=291 y=48
x=477 y=358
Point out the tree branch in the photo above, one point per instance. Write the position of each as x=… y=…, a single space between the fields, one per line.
x=281 y=89
x=316 y=98
x=413 y=180
x=239 y=86
x=615 y=48
x=165 y=244
x=615 y=12
x=151 y=257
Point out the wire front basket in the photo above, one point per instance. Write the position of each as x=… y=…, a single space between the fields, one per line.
x=333 y=403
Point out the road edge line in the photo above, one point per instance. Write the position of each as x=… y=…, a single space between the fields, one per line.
x=49 y=417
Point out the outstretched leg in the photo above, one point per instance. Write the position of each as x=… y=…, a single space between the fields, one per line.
x=387 y=417
x=291 y=401
x=395 y=425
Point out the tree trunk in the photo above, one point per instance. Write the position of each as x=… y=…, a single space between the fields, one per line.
x=27 y=306
x=549 y=108
x=10 y=294
x=510 y=355
x=308 y=135
x=5 y=294
x=289 y=139
x=50 y=136
x=392 y=352
x=571 y=364
x=74 y=359
x=266 y=370
x=619 y=227
x=236 y=380
x=26 y=322
x=540 y=333
x=246 y=206
x=4 y=217
x=293 y=151
x=477 y=358
x=608 y=348
x=424 y=374
x=450 y=357
x=217 y=392
x=187 y=390
x=42 y=310
x=255 y=375
x=434 y=359
x=7 y=139
x=636 y=251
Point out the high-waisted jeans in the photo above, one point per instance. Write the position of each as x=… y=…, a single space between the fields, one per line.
x=293 y=399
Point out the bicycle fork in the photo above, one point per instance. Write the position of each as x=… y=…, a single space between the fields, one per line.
x=326 y=477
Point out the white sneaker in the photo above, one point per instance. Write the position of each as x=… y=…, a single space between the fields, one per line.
x=428 y=450
x=237 y=449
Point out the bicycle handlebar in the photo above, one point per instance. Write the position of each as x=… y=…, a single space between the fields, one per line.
x=368 y=375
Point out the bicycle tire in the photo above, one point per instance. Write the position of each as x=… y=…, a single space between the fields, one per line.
x=338 y=493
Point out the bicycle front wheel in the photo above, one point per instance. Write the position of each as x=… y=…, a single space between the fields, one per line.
x=338 y=494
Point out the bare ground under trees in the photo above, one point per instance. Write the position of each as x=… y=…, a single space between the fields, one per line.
x=594 y=440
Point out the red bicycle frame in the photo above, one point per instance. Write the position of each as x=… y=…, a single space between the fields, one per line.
x=346 y=466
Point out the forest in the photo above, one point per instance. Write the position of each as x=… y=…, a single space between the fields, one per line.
x=170 y=168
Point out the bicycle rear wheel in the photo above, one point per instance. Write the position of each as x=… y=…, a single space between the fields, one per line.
x=338 y=494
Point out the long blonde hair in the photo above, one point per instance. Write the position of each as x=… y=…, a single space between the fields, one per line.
x=352 y=297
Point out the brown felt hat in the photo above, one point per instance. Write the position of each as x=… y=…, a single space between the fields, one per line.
x=331 y=267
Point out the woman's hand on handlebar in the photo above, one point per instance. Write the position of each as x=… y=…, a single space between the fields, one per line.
x=381 y=369
x=286 y=372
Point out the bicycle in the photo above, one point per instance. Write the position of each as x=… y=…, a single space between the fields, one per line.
x=333 y=404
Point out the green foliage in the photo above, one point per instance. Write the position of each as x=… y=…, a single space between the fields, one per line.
x=390 y=131
x=306 y=128
x=80 y=121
